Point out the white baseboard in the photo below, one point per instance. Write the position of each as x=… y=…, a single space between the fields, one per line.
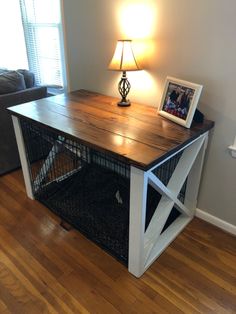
x=216 y=221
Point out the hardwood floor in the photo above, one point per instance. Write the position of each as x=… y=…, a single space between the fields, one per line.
x=45 y=269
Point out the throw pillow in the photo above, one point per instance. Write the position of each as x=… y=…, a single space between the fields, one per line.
x=11 y=81
x=29 y=77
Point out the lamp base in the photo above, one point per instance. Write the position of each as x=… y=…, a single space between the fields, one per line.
x=123 y=103
x=124 y=88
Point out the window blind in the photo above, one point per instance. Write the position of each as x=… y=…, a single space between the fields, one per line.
x=41 y=21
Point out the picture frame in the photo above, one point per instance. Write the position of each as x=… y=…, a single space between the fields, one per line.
x=179 y=100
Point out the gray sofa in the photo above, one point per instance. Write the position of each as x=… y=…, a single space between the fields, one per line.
x=20 y=88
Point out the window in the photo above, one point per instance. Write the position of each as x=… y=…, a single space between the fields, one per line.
x=13 y=51
x=43 y=35
x=38 y=45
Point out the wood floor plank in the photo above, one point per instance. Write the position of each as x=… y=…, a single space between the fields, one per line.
x=31 y=268
x=46 y=269
x=211 y=256
x=17 y=292
x=184 y=286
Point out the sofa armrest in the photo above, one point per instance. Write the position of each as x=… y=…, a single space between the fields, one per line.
x=23 y=96
x=9 y=158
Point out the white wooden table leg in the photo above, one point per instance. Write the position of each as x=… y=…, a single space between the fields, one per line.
x=138 y=197
x=194 y=177
x=23 y=158
x=146 y=246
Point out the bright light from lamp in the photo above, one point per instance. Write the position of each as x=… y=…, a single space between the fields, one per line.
x=143 y=81
x=124 y=60
x=137 y=19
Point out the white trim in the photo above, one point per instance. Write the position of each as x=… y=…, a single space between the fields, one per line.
x=23 y=157
x=216 y=221
x=64 y=49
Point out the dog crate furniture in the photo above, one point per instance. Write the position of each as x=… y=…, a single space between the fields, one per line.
x=125 y=177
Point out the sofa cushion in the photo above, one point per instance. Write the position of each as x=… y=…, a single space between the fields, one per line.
x=29 y=77
x=11 y=81
x=3 y=70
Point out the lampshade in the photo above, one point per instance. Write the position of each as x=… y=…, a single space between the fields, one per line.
x=124 y=59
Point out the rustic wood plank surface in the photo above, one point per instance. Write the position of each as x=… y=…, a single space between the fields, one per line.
x=45 y=269
x=136 y=133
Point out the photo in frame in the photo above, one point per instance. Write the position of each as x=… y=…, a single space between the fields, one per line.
x=179 y=101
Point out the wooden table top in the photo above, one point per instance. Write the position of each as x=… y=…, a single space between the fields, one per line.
x=135 y=134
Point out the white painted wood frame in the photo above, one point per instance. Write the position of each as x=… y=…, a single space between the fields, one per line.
x=23 y=157
x=146 y=246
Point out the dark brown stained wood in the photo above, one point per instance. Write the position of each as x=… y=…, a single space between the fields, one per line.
x=45 y=269
x=137 y=133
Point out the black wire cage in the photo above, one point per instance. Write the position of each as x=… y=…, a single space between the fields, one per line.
x=88 y=188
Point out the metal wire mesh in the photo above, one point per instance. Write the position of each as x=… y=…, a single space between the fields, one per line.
x=87 y=188
x=164 y=173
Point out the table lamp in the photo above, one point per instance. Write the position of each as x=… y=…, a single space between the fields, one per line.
x=124 y=60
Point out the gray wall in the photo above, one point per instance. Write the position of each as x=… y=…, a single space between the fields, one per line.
x=188 y=39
